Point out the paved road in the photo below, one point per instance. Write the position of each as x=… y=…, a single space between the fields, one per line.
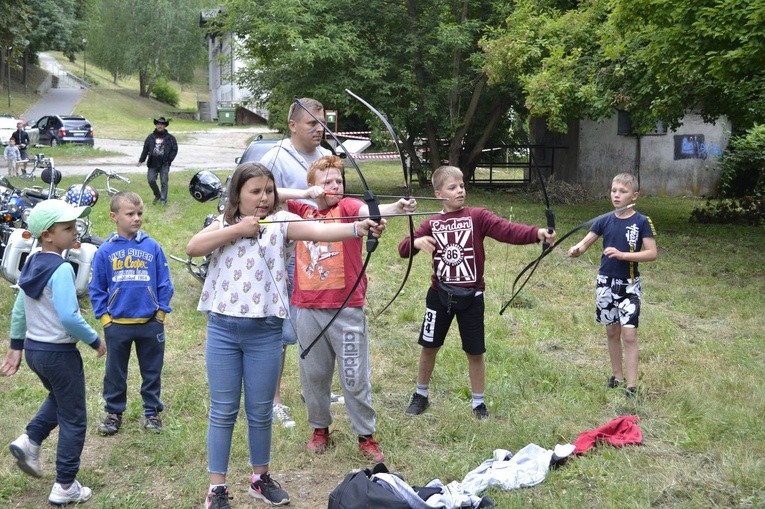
x=212 y=149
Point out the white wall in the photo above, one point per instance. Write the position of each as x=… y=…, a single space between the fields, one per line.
x=664 y=169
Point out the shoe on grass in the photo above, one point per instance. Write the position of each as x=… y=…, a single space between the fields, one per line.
x=371 y=449
x=418 y=404
x=268 y=490
x=218 y=498
x=614 y=382
x=111 y=425
x=75 y=494
x=27 y=455
x=481 y=412
x=282 y=415
x=319 y=441
x=152 y=423
x=336 y=399
x=631 y=392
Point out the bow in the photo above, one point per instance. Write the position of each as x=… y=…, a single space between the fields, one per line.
x=550 y=215
x=569 y=233
x=374 y=213
x=407 y=182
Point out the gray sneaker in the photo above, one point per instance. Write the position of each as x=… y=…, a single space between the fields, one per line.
x=75 y=494
x=27 y=455
x=282 y=414
x=152 y=423
x=111 y=425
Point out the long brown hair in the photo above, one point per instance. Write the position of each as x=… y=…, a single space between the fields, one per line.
x=242 y=174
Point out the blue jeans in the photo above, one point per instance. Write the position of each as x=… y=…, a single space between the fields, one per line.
x=249 y=351
x=62 y=375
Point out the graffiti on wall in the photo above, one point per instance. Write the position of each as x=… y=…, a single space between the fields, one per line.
x=692 y=146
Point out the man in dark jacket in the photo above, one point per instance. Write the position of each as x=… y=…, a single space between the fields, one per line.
x=21 y=138
x=161 y=148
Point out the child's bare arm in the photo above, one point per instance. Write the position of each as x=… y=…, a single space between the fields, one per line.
x=648 y=253
x=402 y=206
x=583 y=245
x=288 y=193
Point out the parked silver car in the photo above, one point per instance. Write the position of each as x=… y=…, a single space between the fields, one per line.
x=8 y=126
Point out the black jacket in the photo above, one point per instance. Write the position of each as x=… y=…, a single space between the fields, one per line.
x=21 y=138
x=170 y=150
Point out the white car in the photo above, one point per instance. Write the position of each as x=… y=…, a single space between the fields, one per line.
x=8 y=126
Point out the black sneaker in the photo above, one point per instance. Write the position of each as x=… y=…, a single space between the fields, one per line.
x=269 y=491
x=418 y=405
x=111 y=425
x=218 y=498
x=614 y=382
x=481 y=412
x=155 y=201
x=630 y=392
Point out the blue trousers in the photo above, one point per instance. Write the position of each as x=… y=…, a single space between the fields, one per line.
x=62 y=375
x=160 y=193
x=149 y=340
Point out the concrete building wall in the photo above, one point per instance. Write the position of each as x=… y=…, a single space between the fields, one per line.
x=679 y=162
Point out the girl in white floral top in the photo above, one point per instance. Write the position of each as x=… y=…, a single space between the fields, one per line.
x=245 y=298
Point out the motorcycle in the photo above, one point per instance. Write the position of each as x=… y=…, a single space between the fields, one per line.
x=11 y=209
x=205 y=186
x=21 y=243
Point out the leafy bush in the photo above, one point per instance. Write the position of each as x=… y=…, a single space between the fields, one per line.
x=749 y=210
x=742 y=183
x=743 y=165
x=163 y=92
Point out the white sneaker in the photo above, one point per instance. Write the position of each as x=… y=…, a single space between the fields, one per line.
x=27 y=455
x=282 y=414
x=74 y=495
x=336 y=399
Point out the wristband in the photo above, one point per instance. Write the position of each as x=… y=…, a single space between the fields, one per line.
x=355 y=232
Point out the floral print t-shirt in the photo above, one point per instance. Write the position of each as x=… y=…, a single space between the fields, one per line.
x=248 y=277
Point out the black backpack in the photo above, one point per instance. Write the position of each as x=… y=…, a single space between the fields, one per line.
x=358 y=492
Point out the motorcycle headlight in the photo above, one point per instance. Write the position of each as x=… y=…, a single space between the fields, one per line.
x=82 y=227
x=25 y=215
x=13 y=207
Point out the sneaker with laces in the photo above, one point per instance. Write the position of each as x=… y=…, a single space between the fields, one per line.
x=218 y=498
x=481 y=412
x=75 y=494
x=27 y=455
x=336 y=399
x=111 y=425
x=282 y=414
x=371 y=449
x=418 y=405
x=152 y=423
x=268 y=490
x=319 y=440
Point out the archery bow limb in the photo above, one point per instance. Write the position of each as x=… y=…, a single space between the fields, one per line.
x=535 y=262
x=408 y=187
x=374 y=213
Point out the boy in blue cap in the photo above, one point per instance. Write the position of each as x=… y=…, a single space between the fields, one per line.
x=49 y=297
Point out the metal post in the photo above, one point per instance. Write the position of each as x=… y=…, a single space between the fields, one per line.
x=8 y=69
x=85 y=59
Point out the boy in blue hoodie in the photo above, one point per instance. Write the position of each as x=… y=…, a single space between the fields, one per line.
x=130 y=291
x=49 y=298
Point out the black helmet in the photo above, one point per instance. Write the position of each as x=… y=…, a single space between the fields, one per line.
x=205 y=186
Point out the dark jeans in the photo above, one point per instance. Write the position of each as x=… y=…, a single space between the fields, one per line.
x=164 y=177
x=62 y=375
x=149 y=339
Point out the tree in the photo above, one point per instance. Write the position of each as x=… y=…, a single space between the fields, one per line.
x=655 y=58
x=419 y=62
x=150 y=38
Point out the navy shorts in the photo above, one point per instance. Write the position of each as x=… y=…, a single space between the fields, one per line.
x=436 y=323
x=617 y=301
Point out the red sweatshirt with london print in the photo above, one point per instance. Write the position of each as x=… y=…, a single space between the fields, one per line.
x=459 y=256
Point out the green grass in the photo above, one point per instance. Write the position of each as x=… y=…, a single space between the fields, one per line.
x=701 y=371
x=701 y=376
